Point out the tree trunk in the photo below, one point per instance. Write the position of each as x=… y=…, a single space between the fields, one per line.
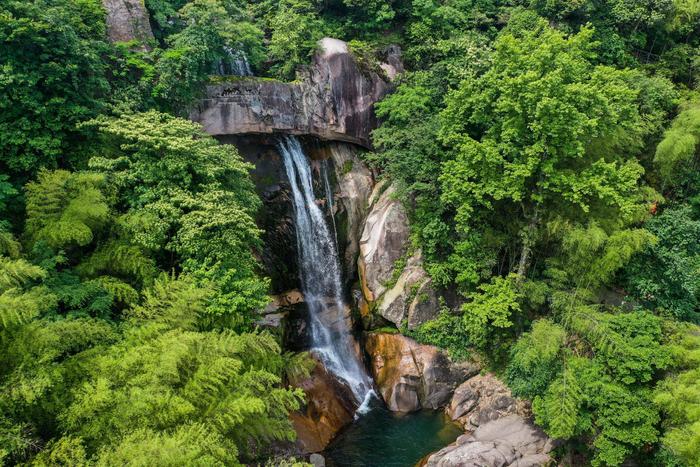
x=528 y=239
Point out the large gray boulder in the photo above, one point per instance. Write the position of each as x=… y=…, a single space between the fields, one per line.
x=127 y=20
x=392 y=278
x=511 y=441
x=333 y=100
x=481 y=399
x=411 y=376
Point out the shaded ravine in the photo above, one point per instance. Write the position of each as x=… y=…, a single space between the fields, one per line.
x=319 y=269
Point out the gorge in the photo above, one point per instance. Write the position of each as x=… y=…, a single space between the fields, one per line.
x=350 y=233
x=338 y=250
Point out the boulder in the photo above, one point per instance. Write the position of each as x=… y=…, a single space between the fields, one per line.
x=127 y=20
x=329 y=407
x=481 y=399
x=506 y=442
x=397 y=287
x=333 y=100
x=411 y=376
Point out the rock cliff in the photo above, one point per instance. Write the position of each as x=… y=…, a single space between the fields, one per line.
x=394 y=283
x=332 y=100
x=127 y=20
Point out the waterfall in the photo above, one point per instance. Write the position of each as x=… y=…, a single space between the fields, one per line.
x=319 y=269
x=235 y=63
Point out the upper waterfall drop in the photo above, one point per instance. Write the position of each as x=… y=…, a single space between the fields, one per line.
x=235 y=63
x=320 y=274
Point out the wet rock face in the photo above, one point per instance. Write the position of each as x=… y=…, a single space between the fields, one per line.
x=350 y=185
x=329 y=407
x=276 y=217
x=506 y=442
x=393 y=282
x=411 y=376
x=333 y=100
x=127 y=20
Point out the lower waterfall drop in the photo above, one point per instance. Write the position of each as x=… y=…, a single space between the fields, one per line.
x=320 y=273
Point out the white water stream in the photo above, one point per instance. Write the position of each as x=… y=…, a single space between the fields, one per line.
x=235 y=63
x=320 y=273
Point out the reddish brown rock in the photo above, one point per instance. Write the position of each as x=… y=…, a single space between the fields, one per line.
x=329 y=407
x=411 y=376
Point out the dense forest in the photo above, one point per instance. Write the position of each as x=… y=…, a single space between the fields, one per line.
x=546 y=151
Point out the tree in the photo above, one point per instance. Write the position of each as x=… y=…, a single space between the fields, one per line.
x=185 y=194
x=676 y=155
x=296 y=30
x=492 y=307
x=53 y=77
x=204 y=394
x=664 y=276
x=543 y=129
x=65 y=209
x=678 y=396
x=536 y=359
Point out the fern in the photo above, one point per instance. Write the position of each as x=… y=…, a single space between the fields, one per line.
x=119 y=289
x=17 y=273
x=174 y=302
x=8 y=245
x=119 y=258
x=65 y=208
x=19 y=307
x=191 y=444
x=558 y=410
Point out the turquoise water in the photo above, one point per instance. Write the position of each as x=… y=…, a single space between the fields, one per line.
x=381 y=438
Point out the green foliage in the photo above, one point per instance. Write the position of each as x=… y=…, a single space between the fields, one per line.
x=664 y=276
x=447 y=331
x=590 y=257
x=188 y=195
x=678 y=396
x=52 y=77
x=526 y=149
x=65 y=209
x=211 y=27
x=522 y=130
x=21 y=299
x=492 y=307
x=165 y=377
x=296 y=30
x=632 y=348
x=535 y=360
x=676 y=154
x=584 y=399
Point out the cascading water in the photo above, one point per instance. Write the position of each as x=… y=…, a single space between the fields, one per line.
x=319 y=268
x=235 y=63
